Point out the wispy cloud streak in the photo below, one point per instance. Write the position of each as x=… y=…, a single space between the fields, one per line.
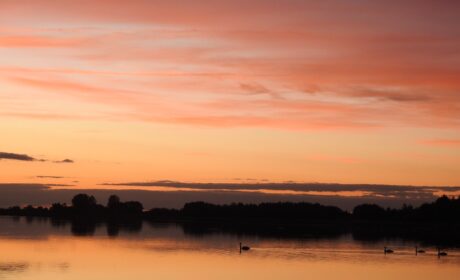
x=13 y=156
x=24 y=157
x=152 y=64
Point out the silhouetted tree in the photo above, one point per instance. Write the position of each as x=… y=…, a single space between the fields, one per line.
x=439 y=219
x=113 y=202
x=133 y=208
x=369 y=212
x=83 y=201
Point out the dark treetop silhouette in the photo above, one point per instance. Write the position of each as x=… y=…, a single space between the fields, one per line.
x=434 y=221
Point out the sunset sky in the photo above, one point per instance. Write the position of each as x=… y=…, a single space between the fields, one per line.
x=350 y=92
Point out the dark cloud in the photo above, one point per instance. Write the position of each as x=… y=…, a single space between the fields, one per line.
x=64 y=161
x=50 y=177
x=378 y=190
x=385 y=195
x=13 y=156
x=41 y=194
x=24 y=157
x=332 y=194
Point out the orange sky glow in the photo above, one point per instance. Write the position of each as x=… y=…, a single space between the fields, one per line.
x=230 y=91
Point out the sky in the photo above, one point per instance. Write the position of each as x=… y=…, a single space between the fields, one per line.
x=119 y=92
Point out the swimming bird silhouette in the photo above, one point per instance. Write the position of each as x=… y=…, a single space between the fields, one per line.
x=419 y=251
x=244 y=248
x=441 y=253
x=387 y=250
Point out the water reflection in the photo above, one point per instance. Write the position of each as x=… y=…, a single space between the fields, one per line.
x=49 y=249
x=13 y=267
x=41 y=228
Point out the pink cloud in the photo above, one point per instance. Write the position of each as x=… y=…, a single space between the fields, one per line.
x=300 y=65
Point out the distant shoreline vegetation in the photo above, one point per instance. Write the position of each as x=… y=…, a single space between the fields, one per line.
x=437 y=222
x=84 y=206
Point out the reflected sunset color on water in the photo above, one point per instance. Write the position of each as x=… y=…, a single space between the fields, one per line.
x=39 y=250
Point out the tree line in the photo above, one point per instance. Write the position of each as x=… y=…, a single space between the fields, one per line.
x=84 y=206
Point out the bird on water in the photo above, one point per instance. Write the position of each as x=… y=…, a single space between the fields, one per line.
x=244 y=248
x=441 y=253
x=387 y=250
x=419 y=251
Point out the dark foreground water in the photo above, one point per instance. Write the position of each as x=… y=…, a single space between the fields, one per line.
x=39 y=249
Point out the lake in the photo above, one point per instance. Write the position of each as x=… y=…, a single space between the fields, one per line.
x=38 y=249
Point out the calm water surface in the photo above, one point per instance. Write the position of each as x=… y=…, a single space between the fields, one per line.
x=38 y=249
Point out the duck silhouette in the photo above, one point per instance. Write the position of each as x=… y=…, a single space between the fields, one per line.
x=387 y=250
x=441 y=253
x=419 y=251
x=244 y=248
